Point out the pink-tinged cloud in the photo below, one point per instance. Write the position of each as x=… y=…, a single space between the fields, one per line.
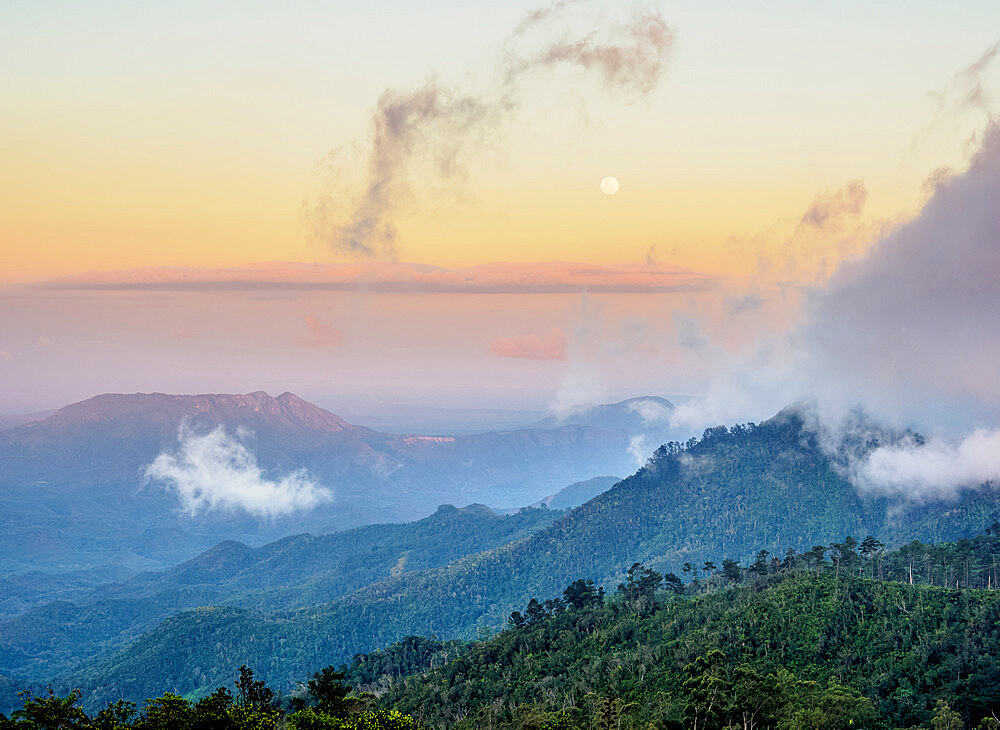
x=321 y=334
x=526 y=278
x=551 y=346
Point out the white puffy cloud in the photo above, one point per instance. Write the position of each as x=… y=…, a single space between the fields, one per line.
x=216 y=471
x=936 y=469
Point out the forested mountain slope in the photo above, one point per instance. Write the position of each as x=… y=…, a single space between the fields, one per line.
x=294 y=572
x=843 y=636
x=728 y=494
x=796 y=643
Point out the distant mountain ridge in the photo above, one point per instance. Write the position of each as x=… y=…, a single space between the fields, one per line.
x=573 y=495
x=287 y=410
x=75 y=497
x=631 y=414
x=580 y=493
x=292 y=573
x=10 y=420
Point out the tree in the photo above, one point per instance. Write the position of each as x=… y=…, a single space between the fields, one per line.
x=816 y=556
x=50 y=712
x=791 y=558
x=707 y=690
x=169 y=712
x=759 y=565
x=213 y=712
x=837 y=708
x=870 y=547
x=251 y=693
x=843 y=554
x=673 y=584
x=639 y=588
x=609 y=714
x=580 y=594
x=946 y=718
x=731 y=570
x=534 y=612
x=709 y=567
x=116 y=716
x=329 y=693
x=756 y=697
x=516 y=620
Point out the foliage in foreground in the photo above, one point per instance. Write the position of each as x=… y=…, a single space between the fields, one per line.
x=327 y=705
x=802 y=642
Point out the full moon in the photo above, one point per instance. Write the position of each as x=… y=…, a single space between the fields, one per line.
x=609 y=185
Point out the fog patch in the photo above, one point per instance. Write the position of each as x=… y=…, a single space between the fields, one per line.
x=650 y=411
x=638 y=449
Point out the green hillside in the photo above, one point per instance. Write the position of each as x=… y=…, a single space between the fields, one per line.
x=294 y=572
x=786 y=645
x=836 y=638
x=726 y=495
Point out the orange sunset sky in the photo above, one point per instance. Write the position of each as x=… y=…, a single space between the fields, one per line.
x=158 y=161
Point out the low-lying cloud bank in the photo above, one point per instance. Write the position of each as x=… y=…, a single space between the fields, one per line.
x=936 y=469
x=215 y=471
x=911 y=329
x=908 y=333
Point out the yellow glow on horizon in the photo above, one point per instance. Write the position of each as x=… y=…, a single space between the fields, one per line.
x=127 y=154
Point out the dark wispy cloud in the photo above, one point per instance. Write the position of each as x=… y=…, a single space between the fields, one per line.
x=831 y=208
x=438 y=125
x=434 y=122
x=966 y=89
x=629 y=57
x=807 y=250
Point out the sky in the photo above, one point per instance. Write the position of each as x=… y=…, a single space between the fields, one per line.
x=398 y=204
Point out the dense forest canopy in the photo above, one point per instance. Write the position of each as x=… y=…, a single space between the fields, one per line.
x=846 y=635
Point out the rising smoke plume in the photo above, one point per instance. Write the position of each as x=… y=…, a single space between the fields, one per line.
x=440 y=125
